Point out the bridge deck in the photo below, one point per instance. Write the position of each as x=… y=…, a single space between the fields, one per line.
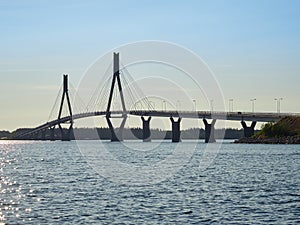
x=234 y=116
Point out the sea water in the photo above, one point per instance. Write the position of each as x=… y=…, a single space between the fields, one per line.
x=88 y=182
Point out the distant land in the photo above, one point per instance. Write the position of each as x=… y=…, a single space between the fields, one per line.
x=133 y=133
x=285 y=131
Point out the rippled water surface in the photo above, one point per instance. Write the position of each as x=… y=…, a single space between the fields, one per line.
x=54 y=183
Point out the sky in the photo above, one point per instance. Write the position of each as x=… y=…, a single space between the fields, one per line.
x=252 y=47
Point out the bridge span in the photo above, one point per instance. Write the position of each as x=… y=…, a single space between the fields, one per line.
x=204 y=115
x=146 y=115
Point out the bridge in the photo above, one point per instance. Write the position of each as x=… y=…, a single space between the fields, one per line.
x=175 y=116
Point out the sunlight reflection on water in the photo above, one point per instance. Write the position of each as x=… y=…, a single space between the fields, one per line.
x=51 y=183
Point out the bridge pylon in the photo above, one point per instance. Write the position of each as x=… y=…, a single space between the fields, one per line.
x=116 y=136
x=65 y=133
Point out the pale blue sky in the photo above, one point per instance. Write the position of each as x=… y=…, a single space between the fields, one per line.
x=253 y=47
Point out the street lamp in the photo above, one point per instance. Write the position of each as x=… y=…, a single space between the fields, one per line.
x=195 y=104
x=278 y=103
x=230 y=105
x=211 y=105
x=253 y=100
x=164 y=105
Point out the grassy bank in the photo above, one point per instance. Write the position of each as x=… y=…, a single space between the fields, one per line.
x=285 y=131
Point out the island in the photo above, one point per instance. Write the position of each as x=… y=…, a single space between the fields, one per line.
x=285 y=131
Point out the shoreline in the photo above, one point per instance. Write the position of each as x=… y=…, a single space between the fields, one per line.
x=273 y=140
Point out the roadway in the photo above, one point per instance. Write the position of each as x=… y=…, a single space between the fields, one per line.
x=233 y=116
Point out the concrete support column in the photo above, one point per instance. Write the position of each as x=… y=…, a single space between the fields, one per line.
x=146 y=129
x=66 y=133
x=248 y=131
x=43 y=134
x=175 y=129
x=113 y=136
x=65 y=136
x=35 y=136
x=209 y=131
x=52 y=133
x=116 y=136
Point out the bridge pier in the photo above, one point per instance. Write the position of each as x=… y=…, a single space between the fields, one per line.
x=248 y=131
x=146 y=129
x=209 y=131
x=119 y=135
x=35 y=136
x=52 y=133
x=175 y=129
x=65 y=134
x=43 y=134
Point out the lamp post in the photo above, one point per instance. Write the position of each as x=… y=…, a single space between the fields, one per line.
x=278 y=103
x=253 y=100
x=230 y=105
x=211 y=105
x=280 y=99
x=195 y=104
x=163 y=105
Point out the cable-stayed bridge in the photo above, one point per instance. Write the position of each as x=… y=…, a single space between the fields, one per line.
x=146 y=113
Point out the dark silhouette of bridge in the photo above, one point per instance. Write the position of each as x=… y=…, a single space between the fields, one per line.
x=175 y=116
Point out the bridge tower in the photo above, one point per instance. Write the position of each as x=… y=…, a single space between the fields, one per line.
x=116 y=136
x=65 y=133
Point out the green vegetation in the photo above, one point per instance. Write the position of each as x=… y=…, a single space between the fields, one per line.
x=286 y=127
x=4 y=134
x=285 y=131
